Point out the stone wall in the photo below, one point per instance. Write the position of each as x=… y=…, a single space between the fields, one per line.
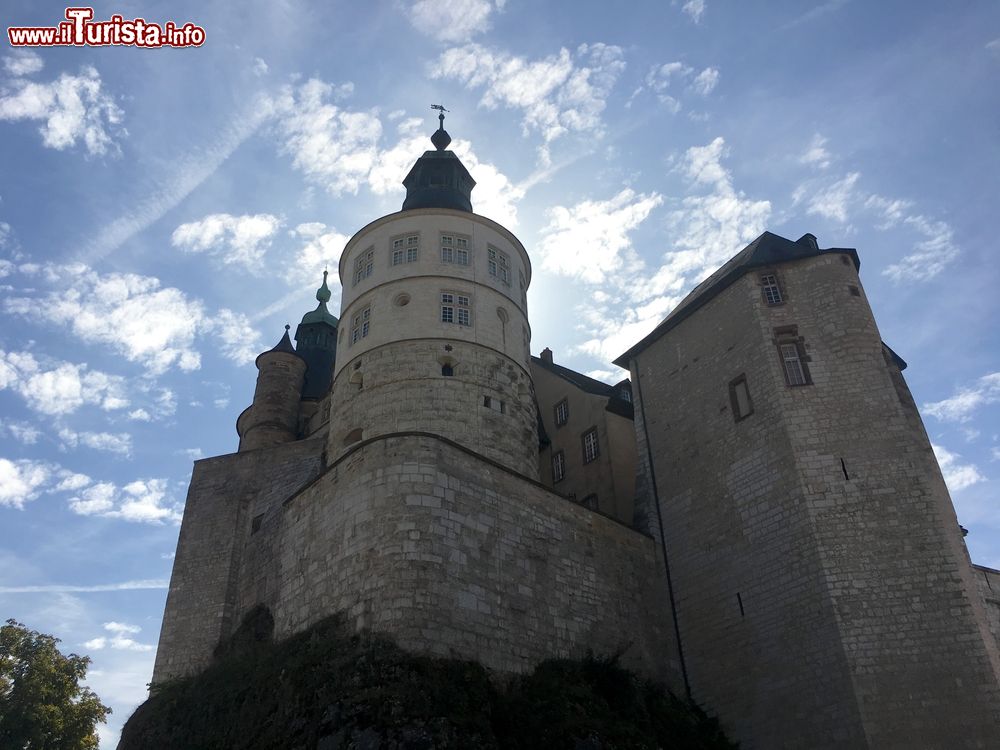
x=988 y=583
x=452 y=554
x=822 y=591
x=400 y=387
x=225 y=496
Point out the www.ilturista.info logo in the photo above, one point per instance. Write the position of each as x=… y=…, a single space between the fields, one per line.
x=79 y=29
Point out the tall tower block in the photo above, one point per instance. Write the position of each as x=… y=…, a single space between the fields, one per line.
x=823 y=592
x=434 y=326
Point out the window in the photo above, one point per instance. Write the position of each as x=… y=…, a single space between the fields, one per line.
x=590 y=448
x=499 y=264
x=255 y=524
x=770 y=289
x=405 y=249
x=562 y=413
x=447 y=370
x=524 y=288
x=792 y=353
x=558 y=467
x=495 y=404
x=590 y=501
x=792 y=361
x=626 y=395
x=454 y=249
x=739 y=398
x=364 y=265
x=359 y=324
x=455 y=308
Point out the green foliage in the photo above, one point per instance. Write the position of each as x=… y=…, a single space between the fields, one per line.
x=42 y=704
x=331 y=689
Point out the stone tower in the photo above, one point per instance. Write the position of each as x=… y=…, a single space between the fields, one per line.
x=273 y=417
x=316 y=343
x=823 y=595
x=434 y=324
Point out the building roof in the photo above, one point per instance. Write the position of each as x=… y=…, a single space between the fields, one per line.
x=321 y=314
x=767 y=250
x=616 y=404
x=439 y=179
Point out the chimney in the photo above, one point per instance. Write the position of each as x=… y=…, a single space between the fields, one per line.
x=547 y=355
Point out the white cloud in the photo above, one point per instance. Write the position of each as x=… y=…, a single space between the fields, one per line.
x=142 y=501
x=235 y=337
x=119 y=638
x=23 y=432
x=140 y=415
x=149 y=324
x=706 y=81
x=453 y=20
x=957 y=475
x=260 y=67
x=833 y=200
x=120 y=443
x=707 y=229
x=23 y=62
x=994 y=46
x=334 y=147
x=695 y=9
x=62 y=388
x=71 y=481
x=321 y=251
x=967 y=401
x=590 y=240
x=21 y=481
x=930 y=256
x=816 y=153
x=56 y=588
x=558 y=94
x=72 y=108
x=234 y=239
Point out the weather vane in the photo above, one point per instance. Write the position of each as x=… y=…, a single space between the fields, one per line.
x=440 y=108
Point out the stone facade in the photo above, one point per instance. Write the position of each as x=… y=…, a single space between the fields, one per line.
x=774 y=538
x=817 y=561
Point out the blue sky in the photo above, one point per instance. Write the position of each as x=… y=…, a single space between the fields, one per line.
x=163 y=214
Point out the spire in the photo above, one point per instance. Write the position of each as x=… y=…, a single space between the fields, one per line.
x=323 y=293
x=285 y=345
x=439 y=179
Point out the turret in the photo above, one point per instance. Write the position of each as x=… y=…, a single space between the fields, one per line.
x=435 y=318
x=316 y=344
x=273 y=417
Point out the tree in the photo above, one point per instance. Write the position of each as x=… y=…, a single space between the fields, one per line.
x=42 y=704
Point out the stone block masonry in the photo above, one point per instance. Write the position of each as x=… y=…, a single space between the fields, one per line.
x=447 y=552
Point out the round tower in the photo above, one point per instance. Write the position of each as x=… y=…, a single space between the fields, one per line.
x=434 y=332
x=273 y=417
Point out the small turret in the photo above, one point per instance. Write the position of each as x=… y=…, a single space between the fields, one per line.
x=273 y=417
x=316 y=343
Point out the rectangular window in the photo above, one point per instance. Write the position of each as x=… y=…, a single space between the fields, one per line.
x=739 y=398
x=456 y=308
x=454 y=249
x=795 y=373
x=558 y=467
x=562 y=413
x=771 y=290
x=405 y=249
x=524 y=288
x=590 y=501
x=590 y=447
x=364 y=265
x=359 y=325
x=499 y=264
x=495 y=404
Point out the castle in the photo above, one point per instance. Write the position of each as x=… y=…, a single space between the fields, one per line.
x=755 y=516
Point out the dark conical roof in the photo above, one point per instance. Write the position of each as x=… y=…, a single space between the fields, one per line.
x=285 y=345
x=439 y=179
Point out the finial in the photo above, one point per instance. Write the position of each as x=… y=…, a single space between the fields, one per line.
x=440 y=139
x=323 y=293
x=287 y=327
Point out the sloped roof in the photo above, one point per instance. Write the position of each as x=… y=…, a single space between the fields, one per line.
x=616 y=404
x=767 y=250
